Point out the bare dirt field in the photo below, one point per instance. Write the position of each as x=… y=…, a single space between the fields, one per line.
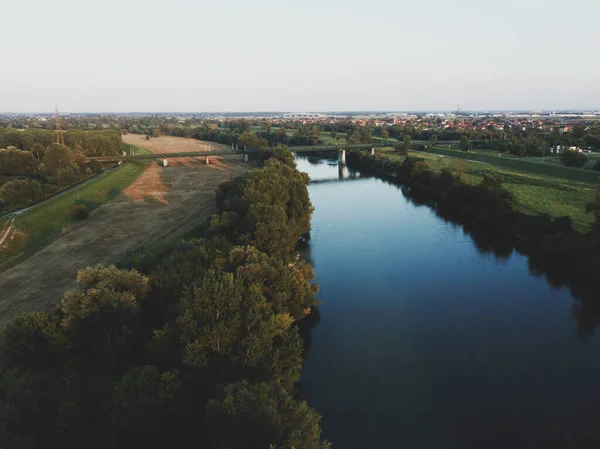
x=161 y=202
x=166 y=144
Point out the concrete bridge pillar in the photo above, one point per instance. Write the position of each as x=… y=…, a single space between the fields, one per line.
x=246 y=157
x=342 y=157
x=372 y=151
x=341 y=172
x=165 y=162
x=206 y=161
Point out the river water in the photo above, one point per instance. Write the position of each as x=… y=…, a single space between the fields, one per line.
x=429 y=339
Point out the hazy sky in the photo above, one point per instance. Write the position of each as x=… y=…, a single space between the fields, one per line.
x=311 y=55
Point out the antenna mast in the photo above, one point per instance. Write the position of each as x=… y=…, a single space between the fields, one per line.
x=59 y=134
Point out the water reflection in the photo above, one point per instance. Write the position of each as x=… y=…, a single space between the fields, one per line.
x=436 y=330
x=487 y=240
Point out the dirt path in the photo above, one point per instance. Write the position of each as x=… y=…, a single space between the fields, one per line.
x=162 y=201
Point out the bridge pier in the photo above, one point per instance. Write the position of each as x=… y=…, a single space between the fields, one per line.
x=372 y=151
x=165 y=162
x=342 y=157
x=206 y=161
x=341 y=172
x=246 y=157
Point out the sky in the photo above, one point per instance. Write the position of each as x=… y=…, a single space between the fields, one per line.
x=311 y=55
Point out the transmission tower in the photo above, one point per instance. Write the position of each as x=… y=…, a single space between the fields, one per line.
x=59 y=134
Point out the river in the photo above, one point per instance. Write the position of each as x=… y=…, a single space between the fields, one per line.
x=429 y=339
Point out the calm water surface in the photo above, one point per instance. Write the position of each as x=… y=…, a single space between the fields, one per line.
x=426 y=341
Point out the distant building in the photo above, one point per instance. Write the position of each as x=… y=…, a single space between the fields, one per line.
x=303 y=115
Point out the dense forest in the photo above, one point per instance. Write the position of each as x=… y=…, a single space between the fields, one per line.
x=34 y=166
x=197 y=346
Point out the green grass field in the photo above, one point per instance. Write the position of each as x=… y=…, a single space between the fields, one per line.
x=41 y=222
x=537 y=190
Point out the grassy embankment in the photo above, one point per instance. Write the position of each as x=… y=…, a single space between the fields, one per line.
x=541 y=188
x=37 y=225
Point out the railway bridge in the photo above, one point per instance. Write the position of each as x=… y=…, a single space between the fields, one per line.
x=243 y=152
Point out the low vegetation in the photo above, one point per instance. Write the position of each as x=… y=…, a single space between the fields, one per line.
x=200 y=345
x=80 y=212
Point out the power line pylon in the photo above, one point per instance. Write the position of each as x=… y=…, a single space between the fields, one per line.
x=59 y=134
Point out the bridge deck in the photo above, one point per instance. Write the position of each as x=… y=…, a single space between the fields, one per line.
x=295 y=149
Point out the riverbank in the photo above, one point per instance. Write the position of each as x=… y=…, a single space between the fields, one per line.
x=550 y=241
x=537 y=191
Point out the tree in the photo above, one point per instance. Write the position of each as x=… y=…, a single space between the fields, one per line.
x=572 y=158
x=459 y=169
x=280 y=153
x=58 y=156
x=385 y=133
x=464 y=143
x=17 y=162
x=34 y=338
x=287 y=287
x=269 y=208
x=102 y=313
x=315 y=135
x=403 y=149
x=22 y=414
x=66 y=177
x=519 y=149
x=38 y=151
x=282 y=135
x=143 y=398
x=365 y=134
x=256 y=416
x=228 y=327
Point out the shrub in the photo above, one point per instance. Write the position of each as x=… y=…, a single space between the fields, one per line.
x=572 y=158
x=80 y=212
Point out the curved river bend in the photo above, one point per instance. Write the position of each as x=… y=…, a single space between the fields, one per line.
x=428 y=340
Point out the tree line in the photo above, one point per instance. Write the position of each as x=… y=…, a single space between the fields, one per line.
x=34 y=166
x=199 y=345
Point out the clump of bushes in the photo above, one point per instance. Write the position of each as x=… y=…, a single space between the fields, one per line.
x=572 y=158
x=21 y=191
x=80 y=212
